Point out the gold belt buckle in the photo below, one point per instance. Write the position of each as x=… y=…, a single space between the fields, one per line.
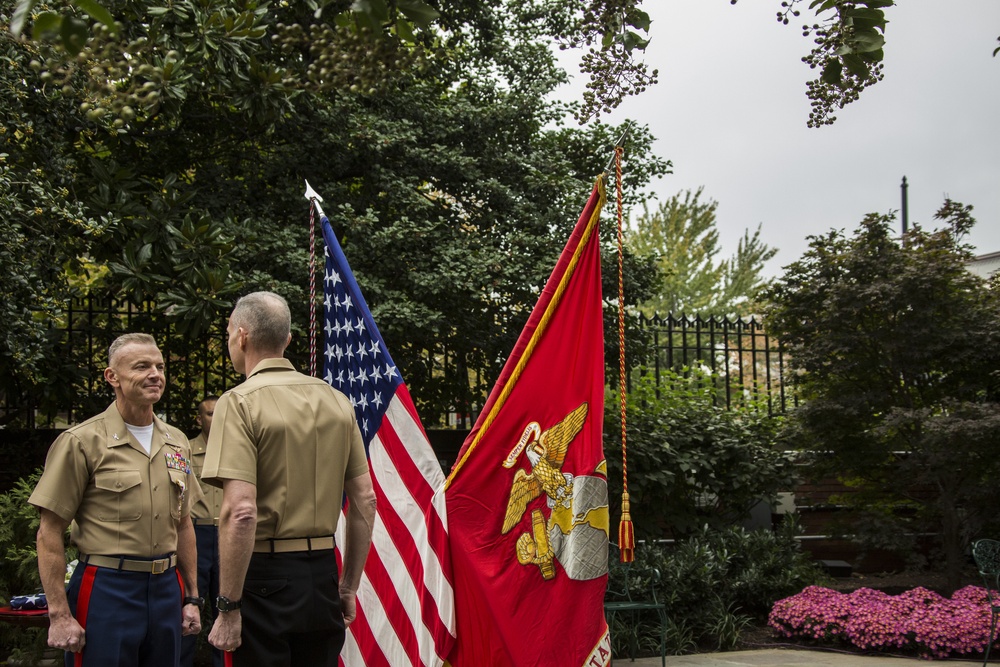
x=161 y=565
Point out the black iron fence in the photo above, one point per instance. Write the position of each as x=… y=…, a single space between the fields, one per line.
x=744 y=361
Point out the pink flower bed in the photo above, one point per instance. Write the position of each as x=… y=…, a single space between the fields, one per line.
x=919 y=620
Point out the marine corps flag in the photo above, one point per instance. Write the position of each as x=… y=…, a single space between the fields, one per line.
x=527 y=499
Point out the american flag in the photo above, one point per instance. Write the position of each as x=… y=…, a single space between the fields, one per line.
x=405 y=601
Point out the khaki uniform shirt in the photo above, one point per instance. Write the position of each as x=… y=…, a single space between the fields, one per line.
x=211 y=502
x=297 y=439
x=121 y=500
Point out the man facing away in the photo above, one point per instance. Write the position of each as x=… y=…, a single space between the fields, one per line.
x=285 y=447
x=124 y=480
x=205 y=517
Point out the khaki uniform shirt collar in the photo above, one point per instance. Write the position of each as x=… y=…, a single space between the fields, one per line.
x=272 y=364
x=118 y=433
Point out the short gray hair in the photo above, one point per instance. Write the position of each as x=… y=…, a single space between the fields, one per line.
x=128 y=339
x=266 y=319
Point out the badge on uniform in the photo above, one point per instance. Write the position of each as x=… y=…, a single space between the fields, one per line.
x=176 y=461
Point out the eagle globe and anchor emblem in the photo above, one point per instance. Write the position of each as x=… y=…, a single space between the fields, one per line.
x=576 y=530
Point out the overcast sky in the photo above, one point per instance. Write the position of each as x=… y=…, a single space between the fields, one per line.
x=730 y=111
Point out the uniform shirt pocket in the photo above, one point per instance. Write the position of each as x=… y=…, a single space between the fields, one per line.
x=119 y=496
x=178 y=491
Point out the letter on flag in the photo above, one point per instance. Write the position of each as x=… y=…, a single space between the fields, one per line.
x=527 y=499
x=405 y=602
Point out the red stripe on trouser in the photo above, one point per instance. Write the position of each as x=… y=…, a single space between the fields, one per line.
x=82 y=605
x=180 y=580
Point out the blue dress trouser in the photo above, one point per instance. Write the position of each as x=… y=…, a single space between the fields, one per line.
x=131 y=619
x=208 y=588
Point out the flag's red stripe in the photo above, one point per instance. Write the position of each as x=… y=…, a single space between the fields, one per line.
x=83 y=605
x=422 y=493
x=370 y=650
x=403 y=393
x=408 y=551
x=392 y=606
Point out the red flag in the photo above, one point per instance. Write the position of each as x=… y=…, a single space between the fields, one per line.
x=527 y=500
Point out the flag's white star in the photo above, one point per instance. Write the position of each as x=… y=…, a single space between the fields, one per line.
x=348 y=352
x=328 y=378
x=329 y=352
x=364 y=426
x=350 y=378
x=374 y=349
x=340 y=377
x=339 y=353
x=363 y=402
x=347 y=303
x=328 y=329
x=336 y=278
x=375 y=376
x=362 y=352
x=326 y=301
x=331 y=277
x=377 y=401
x=362 y=376
x=390 y=372
x=347 y=328
x=360 y=325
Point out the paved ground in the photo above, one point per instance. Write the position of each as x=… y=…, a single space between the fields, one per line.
x=782 y=658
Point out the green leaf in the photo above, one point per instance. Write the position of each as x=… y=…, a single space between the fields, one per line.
x=856 y=65
x=418 y=12
x=97 y=12
x=376 y=11
x=639 y=20
x=46 y=22
x=405 y=31
x=21 y=14
x=832 y=72
x=74 y=34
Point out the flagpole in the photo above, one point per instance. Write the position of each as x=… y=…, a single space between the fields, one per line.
x=314 y=200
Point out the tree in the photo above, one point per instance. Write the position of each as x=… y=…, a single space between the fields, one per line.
x=451 y=199
x=681 y=233
x=895 y=347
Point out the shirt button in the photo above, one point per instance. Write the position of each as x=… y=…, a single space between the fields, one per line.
x=155 y=488
x=118 y=485
x=156 y=516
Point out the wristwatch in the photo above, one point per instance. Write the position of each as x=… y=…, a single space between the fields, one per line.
x=224 y=604
x=200 y=602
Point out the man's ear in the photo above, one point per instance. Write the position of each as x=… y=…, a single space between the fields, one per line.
x=111 y=376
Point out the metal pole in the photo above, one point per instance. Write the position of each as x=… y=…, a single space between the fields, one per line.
x=905 y=214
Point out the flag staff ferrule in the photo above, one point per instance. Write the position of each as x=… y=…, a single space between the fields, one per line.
x=620 y=144
x=315 y=198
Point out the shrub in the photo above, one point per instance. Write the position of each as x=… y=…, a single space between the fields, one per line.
x=692 y=462
x=717 y=582
x=918 y=620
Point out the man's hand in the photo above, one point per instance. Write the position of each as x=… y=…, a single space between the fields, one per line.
x=190 y=619
x=348 y=605
x=65 y=633
x=226 y=631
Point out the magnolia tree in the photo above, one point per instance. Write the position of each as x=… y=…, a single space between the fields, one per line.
x=896 y=349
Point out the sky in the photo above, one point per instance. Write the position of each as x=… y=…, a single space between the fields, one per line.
x=730 y=112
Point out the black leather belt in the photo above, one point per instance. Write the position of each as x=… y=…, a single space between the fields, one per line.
x=294 y=544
